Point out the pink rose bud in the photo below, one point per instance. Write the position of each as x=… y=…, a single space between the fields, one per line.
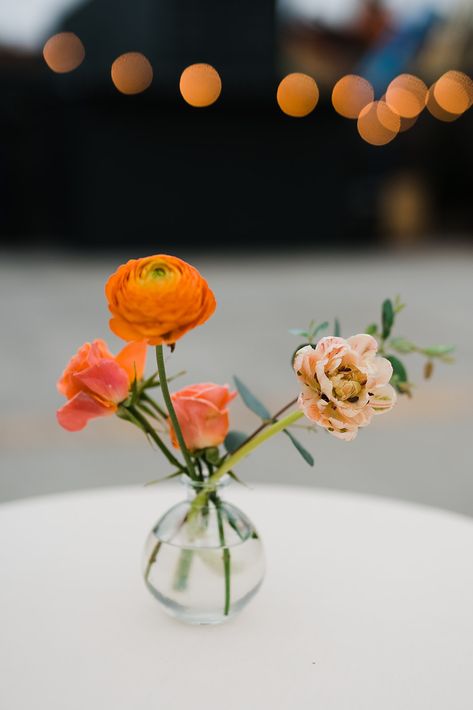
x=202 y=414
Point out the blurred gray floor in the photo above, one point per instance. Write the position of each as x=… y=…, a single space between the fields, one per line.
x=422 y=451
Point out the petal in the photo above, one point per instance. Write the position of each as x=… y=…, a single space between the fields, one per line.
x=363 y=344
x=75 y=414
x=106 y=379
x=384 y=398
x=383 y=371
x=132 y=358
x=202 y=423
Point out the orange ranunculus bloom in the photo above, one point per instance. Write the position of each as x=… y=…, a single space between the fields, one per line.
x=158 y=299
x=95 y=382
x=202 y=414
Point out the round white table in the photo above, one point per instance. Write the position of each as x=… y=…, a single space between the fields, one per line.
x=367 y=605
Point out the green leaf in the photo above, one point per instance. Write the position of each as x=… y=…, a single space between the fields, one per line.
x=233 y=440
x=387 y=315
x=399 y=371
x=166 y=478
x=401 y=345
x=372 y=329
x=318 y=328
x=308 y=458
x=438 y=350
x=336 y=328
x=299 y=332
x=233 y=475
x=212 y=455
x=250 y=400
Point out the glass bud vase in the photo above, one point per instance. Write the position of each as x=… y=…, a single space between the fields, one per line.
x=203 y=559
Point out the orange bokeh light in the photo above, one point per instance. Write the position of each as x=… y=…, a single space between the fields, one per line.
x=407 y=123
x=436 y=110
x=406 y=95
x=63 y=52
x=351 y=94
x=297 y=95
x=453 y=92
x=378 y=124
x=200 y=85
x=132 y=73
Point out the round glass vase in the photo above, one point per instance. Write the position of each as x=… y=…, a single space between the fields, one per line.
x=203 y=560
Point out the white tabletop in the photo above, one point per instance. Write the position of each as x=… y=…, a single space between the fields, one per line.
x=367 y=605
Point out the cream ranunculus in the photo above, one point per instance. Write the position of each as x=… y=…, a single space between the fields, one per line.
x=344 y=383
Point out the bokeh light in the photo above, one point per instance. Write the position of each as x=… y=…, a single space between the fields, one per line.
x=436 y=110
x=200 y=85
x=63 y=52
x=132 y=73
x=297 y=95
x=378 y=124
x=406 y=95
x=453 y=92
x=407 y=123
x=351 y=94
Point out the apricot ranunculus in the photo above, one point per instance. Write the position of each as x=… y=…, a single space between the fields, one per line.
x=344 y=383
x=202 y=414
x=158 y=299
x=95 y=382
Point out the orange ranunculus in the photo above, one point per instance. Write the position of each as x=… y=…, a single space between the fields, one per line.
x=95 y=382
x=202 y=413
x=157 y=299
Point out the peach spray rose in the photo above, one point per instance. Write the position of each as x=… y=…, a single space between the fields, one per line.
x=344 y=383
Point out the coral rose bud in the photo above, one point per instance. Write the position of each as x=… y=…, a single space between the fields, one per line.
x=202 y=414
x=157 y=299
x=344 y=383
x=95 y=382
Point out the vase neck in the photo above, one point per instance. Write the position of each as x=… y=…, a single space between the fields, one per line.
x=194 y=488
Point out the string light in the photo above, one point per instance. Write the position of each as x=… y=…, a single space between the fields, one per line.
x=351 y=94
x=63 y=52
x=132 y=73
x=436 y=110
x=453 y=92
x=406 y=95
x=377 y=124
x=297 y=95
x=200 y=85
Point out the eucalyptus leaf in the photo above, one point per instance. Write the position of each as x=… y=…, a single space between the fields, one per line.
x=387 y=317
x=336 y=328
x=401 y=345
x=438 y=350
x=399 y=371
x=318 y=328
x=308 y=458
x=250 y=400
x=234 y=440
x=299 y=331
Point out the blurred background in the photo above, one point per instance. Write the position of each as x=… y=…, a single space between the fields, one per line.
x=289 y=219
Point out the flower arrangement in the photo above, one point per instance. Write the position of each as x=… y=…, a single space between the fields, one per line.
x=155 y=301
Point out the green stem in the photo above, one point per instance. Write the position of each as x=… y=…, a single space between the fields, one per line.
x=172 y=413
x=153 y=404
x=246 y=449
x=146 y=426
x=152 y=559
x=226 y=555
